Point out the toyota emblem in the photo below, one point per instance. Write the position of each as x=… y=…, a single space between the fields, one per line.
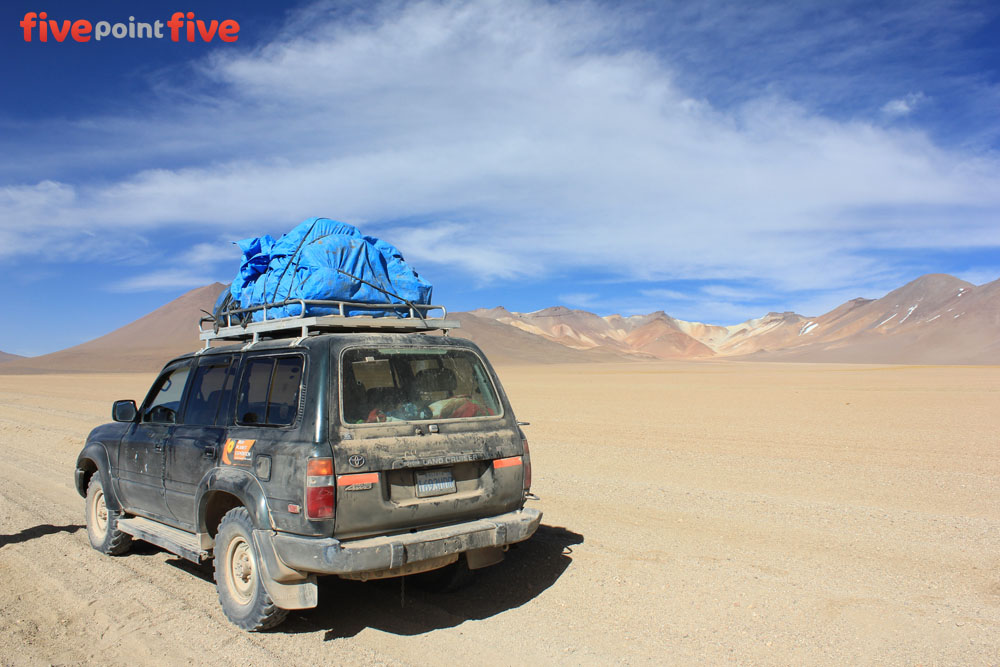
x=356 y=460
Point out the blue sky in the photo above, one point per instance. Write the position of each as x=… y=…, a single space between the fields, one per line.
x=715 y=160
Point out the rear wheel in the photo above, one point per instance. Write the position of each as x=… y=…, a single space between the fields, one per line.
x=102 y=523
x=238 y=578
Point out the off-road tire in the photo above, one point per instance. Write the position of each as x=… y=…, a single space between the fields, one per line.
x=102 y=522
x=447 y=579
x=242 y=595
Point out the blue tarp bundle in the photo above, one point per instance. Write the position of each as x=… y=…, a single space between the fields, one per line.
x=306 y=263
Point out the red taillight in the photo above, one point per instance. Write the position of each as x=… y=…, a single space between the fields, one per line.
x=527 y=465
x=320 y=492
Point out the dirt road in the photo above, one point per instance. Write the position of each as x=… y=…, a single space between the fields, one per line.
x=709 y=512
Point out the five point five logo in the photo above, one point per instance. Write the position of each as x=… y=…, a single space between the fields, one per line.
x=182 y=26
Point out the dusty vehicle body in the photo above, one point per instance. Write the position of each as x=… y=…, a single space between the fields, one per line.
x=359 y=454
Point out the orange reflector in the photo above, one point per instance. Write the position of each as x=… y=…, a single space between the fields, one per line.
x=360 y=478
x=506 y=463
x=319 y=467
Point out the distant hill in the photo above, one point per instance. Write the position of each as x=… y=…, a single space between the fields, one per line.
x=508 y=345
x=935 y=319
x=6 y=356
x=143 y=345
x=641 y=336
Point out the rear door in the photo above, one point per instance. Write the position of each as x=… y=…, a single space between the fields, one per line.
x=423 y=439
x=197 y=441
x=264 y=438
x=141 y=456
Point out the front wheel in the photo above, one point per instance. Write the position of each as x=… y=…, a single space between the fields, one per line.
x=237 y=575
x=102 y=523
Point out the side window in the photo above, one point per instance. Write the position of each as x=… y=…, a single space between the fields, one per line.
x=253 y=391
x=283 y=403
x=164 y=398
x=269 y=392
x=207 y=388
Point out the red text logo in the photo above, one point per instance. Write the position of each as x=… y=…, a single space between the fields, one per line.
x=182 y=26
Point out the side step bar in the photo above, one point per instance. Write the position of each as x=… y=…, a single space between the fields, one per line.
x=177 y=541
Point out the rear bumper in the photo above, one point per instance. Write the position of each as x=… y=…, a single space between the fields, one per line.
x=331 y=556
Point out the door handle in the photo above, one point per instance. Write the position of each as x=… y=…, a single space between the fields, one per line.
x=158 y=446
x=210 y=451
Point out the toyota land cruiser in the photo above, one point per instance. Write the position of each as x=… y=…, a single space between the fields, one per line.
x=359 y=453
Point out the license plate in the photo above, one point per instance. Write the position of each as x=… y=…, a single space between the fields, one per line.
x=434 y=482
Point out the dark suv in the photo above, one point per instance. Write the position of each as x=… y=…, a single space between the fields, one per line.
x=364 y=455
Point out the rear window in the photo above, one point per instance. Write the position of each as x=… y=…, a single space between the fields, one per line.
x=410 y=384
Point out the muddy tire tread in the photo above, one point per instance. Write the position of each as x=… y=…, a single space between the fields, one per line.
x=262 y=613
x=116 y=542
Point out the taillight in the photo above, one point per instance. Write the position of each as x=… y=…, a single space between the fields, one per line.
x=527 y=465
x=320 y=490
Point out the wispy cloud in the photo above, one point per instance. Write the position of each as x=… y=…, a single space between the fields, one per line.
x=668 y=294
x=165 y=279
x=196 y=266
x=981 y=276
x=580 y=299
x=903 y=106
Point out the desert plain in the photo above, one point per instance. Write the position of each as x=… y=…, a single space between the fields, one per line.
x=695 y=513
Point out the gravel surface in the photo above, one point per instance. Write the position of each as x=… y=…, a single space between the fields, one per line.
x=697 y=512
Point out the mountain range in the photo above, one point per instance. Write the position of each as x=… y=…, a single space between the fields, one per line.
x=935 y=319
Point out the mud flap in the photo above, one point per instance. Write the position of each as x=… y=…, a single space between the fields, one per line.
x=480 y=558
x=288 y=588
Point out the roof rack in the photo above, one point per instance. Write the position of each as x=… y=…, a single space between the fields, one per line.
x=237 y=323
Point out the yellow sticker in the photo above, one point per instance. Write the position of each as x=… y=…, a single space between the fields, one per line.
x=237 y=451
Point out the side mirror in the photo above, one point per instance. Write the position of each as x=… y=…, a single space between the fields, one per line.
x=124 y=411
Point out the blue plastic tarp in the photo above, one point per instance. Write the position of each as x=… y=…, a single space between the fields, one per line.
x=310 y=262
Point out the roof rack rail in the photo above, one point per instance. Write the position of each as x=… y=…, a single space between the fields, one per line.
x=237 y=323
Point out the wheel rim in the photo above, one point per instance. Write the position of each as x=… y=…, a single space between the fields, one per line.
x=99 y=513
x=241 y=570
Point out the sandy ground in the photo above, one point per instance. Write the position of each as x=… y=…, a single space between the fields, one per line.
x=700 y=512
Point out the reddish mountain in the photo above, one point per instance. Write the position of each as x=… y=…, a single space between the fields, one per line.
x=143 y=345
x=505 y=344
x=656 y=335
x=936 y=319
x=6 y=356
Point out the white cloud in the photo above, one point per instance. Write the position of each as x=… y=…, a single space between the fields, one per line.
x=903 y=106
x=580 y=299
x=165 y=279
x=727 y=292
x=517 y=139
x=199 y=265
x=980 y=275
x=669 y=294
x=209 y=253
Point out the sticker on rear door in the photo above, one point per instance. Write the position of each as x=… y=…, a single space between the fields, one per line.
x=237 y=451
